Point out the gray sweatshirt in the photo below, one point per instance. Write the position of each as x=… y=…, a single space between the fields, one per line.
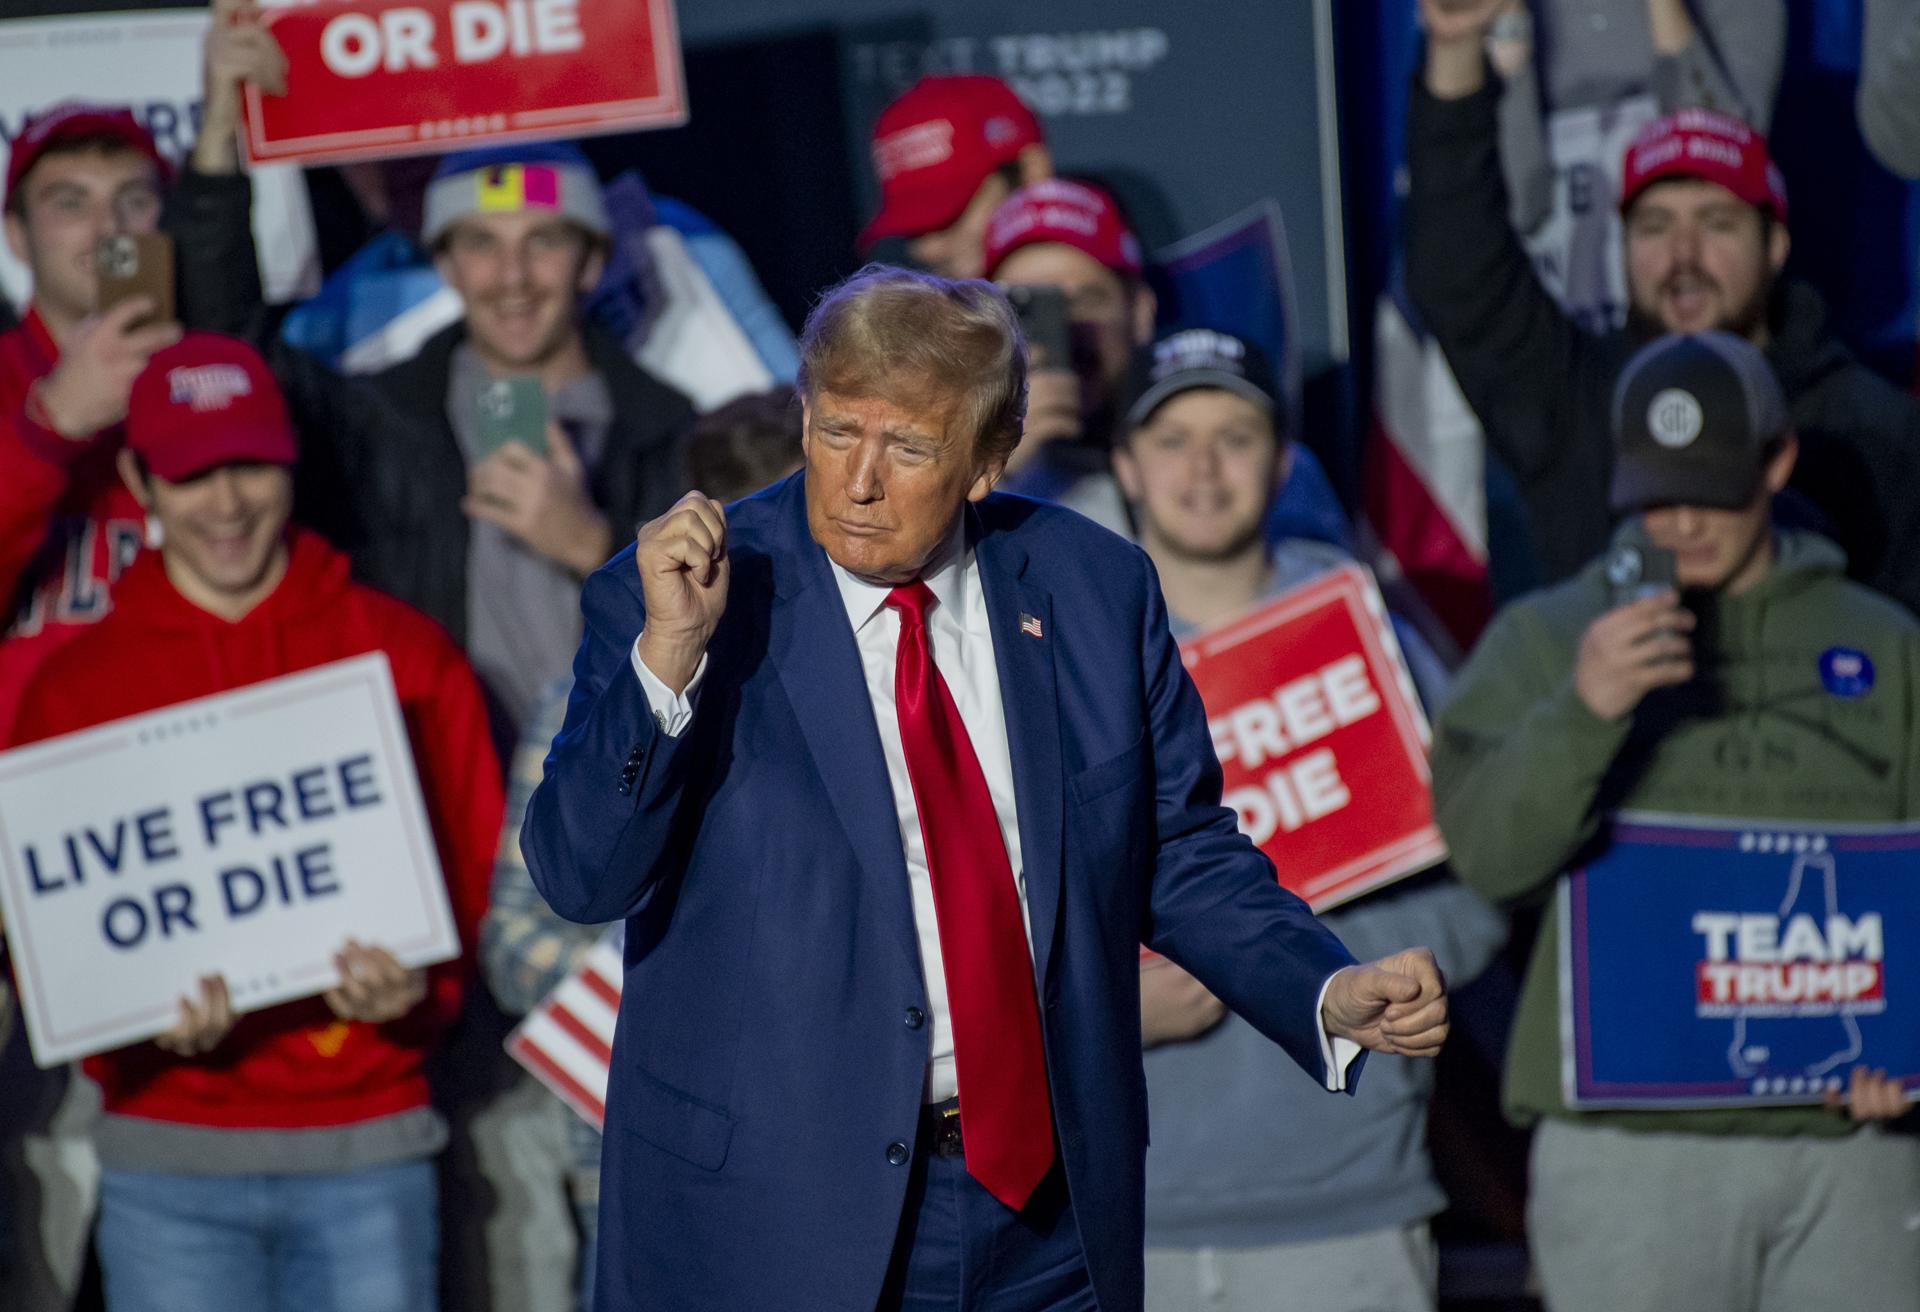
x=1889 y=99
x=1247 y=1149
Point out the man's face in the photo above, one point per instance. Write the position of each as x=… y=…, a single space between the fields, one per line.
x=959 y=249
x=222 y=530
x=885 y=481
x=70 y=202
x=1699 y=257
x=1720 y=549
x=521 y=276
x=1103 y=309
x=1201 y=473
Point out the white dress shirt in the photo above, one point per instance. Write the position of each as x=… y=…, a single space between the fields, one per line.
x=962 y=642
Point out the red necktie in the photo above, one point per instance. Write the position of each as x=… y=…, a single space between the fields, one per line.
x=1006 y=1123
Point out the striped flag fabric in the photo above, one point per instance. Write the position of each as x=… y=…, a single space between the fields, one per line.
x=567 y=1041
x=1425 y=479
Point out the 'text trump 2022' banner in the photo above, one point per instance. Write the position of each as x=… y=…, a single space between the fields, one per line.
x=1320 y=737
x=367 y=78
x=1720 y=963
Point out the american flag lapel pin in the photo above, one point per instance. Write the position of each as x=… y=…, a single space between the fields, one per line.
x=1030 y=625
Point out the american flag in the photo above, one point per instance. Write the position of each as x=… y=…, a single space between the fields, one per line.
x=567 y=1041
x=1030 y=625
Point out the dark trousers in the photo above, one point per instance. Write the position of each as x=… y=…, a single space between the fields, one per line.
x=962 y=1250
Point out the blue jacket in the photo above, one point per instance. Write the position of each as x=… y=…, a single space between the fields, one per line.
x=767 y=1068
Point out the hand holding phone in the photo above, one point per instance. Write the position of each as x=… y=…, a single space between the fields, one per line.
x=87 y=392
x=1643 y=642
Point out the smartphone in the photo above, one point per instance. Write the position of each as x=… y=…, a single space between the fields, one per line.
x=137 y=266
x=1636 y=569
x=1043 y=321
x=512 y=410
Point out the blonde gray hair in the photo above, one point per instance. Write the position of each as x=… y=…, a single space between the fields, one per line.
x=915 y=339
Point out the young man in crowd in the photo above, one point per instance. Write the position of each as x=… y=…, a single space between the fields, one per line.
x=281 y=1158
x=490 y=542
x=1069 y=237
x=77 y=174
x=1573 y=707
x=1254 y=1181
x=1705 y=214
x=946 y=153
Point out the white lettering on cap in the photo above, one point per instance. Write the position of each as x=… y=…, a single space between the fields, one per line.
x=920 y=146
x=1675 y=418
x=208 y=386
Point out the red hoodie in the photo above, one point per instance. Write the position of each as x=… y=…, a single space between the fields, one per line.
x=295 y=1065
x=68 y=525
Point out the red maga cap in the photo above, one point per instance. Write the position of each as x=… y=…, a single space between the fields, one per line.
x=1710 y=146
x=935 y=145
x=1072 y=213
x=207 y=401
x=70 y=120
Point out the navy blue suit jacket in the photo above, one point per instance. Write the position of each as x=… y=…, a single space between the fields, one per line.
x=765 y=1062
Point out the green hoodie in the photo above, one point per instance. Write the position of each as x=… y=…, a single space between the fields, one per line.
x=1523 y=771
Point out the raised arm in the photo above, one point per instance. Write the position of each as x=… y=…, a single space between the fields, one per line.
x=1511 y=347
x=597 y=831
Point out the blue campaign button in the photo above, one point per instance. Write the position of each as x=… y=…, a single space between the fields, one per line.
x=1845 y=672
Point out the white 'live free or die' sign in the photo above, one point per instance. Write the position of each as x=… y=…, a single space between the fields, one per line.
x=251 y=833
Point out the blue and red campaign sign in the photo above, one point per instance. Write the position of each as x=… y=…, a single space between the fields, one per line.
x=1724 y=963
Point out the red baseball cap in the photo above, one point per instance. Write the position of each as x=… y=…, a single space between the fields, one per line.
x=935 y=145
x=72 y=119
x=1708 y=145
x=207 y=401
x=1072 y=213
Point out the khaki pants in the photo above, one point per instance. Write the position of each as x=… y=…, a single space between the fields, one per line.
x=1623 y=1222
x=1380 y=1271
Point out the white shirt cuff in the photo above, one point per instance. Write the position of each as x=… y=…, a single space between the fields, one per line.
x=1336 y=1055
x=671 y=711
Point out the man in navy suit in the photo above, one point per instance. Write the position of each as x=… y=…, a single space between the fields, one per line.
x=891 y=777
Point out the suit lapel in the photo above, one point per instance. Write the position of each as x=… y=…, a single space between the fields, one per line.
x=812 y=647
x=1030 y=703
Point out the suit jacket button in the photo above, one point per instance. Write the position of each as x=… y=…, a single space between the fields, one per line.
x=915 y=1018
x=897 y=1153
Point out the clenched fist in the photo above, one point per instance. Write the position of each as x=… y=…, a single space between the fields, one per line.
x=684 y=571
x=1397 y=1004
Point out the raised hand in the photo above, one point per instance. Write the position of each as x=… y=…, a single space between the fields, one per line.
x=1456 y=44
x=1397 y=1004
x=684 y=572
x=239 y=50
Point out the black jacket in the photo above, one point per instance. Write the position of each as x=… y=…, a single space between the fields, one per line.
x=381 y=473
x=1543 y=388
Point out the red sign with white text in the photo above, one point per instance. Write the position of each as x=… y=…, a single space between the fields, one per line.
x=372 y=78
x=1320 y=737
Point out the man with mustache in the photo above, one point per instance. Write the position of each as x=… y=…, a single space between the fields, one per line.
x=1705 y=213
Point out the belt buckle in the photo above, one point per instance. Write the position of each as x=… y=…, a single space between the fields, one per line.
x=946 y=1132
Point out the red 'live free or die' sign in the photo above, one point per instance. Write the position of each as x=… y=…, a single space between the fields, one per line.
x=1321 y=741
x=373 y=78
